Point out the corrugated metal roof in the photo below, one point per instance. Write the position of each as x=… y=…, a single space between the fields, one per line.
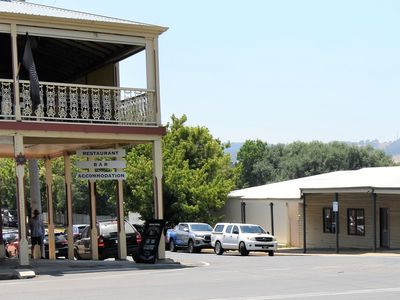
x=376 y=178
x=18 y=7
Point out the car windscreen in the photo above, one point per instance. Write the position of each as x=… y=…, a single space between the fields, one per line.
x=251 y=229
x=201 y=227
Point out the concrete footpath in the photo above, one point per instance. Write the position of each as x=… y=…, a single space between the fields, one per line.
x=10 y=268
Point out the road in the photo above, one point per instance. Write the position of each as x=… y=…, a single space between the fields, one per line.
x=227 y=277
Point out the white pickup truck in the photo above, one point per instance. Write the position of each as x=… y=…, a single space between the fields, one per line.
x=242 y=237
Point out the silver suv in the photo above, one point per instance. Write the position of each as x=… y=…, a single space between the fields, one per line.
x=242 y=237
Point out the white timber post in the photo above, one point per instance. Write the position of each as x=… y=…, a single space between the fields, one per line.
x=15 y=66
x=158 y=194
x=122 y=253
x=93 y=229
x=50 y=210
x=152 y=76
x=68 y=196
x=34 y=183
x=20 y=173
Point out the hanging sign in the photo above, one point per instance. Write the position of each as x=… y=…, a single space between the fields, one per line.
x=101 y=152
x=102 y=164
x=101 y=176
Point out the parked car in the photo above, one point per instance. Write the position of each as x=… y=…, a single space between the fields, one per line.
x=192 y=236
x=10 y=240
x=107 y=240
x=8 y=219
x=242 y=237
x=61 y=245
x=76 y=230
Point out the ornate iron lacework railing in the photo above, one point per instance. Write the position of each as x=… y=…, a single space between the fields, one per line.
x=63 y=102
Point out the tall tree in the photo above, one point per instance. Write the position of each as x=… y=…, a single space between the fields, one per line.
x=197 y=174
x=261 y=163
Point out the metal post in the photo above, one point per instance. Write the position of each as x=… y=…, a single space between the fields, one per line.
x=243 y=212
x=374 y=220
x=337 y=223
x=304 y=224
x=272 y=218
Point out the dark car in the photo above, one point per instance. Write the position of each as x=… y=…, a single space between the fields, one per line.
x=61 y=245
x=107 y=241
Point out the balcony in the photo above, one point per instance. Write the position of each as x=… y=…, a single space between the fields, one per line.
x=74 y=103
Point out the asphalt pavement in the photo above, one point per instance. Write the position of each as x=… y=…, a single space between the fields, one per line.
x=11 y=269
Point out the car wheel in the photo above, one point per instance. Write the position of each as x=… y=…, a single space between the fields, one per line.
x=191 y=247
x=242 y=249
x=271 y=253
x=218 y=248
x=172 y=246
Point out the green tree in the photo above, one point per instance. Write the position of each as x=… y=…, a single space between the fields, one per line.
x=254 y=167
x=197 y=175
x=261 y=163
x=7 y=183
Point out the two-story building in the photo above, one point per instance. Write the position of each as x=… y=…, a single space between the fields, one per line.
x=82 y=106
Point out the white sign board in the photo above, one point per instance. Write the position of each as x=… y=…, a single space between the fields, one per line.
x=335 y=206
x=103 y=164
x=101 y=152
x=101 y=176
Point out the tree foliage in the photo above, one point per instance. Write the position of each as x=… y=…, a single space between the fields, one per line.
x=8 y=184
x=263 y=163
x=197 y=175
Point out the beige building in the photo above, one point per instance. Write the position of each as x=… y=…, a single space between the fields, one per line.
x=367 y=203
x=78 y=103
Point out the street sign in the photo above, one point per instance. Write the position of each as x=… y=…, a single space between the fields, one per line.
x=101 y=176
x=101 y=152
x=103 y=164
x=335 y=206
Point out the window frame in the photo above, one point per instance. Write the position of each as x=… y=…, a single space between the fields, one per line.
x=332 y=221
x=353 y=229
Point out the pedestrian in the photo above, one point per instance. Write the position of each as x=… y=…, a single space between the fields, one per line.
x=37 y=233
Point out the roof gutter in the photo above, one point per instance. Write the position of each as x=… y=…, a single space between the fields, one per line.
x=331 y=190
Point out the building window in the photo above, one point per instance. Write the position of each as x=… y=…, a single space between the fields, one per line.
x=355 y=221
x=328 y=217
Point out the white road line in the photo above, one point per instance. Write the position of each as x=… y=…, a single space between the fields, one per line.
x=316 y=294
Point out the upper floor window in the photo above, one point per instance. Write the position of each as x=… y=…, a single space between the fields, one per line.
x=355 y=221
x=329 y=225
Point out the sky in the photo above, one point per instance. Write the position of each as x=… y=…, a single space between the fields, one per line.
x=277 y=71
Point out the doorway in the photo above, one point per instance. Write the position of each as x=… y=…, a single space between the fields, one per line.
x=384 y=227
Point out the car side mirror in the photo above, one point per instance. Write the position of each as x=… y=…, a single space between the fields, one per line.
x=235 y=232
x=186 y=229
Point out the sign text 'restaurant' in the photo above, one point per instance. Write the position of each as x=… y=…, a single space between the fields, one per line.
x=101 y=152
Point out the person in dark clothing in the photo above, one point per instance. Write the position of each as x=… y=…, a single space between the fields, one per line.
x=36 y=228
